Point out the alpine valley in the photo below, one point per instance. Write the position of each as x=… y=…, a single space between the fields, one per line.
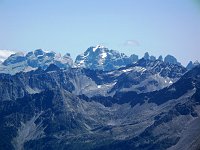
x=104 y=100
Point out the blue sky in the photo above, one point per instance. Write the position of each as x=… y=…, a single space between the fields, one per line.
x=130 y=26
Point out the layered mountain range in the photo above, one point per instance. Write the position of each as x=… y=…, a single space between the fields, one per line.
x=103 y=100
x=95 y=58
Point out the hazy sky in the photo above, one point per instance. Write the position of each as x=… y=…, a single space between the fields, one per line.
x=130 y=26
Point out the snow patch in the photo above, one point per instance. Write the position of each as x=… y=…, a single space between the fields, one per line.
x=98 y=46
x=127 y=70
x=28 y=69
x=137 y=69
x=103 y=55
x=81 y=62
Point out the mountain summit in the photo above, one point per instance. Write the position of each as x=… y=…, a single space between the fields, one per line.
x=102 y=58
x=192 y=65
x=32 y=60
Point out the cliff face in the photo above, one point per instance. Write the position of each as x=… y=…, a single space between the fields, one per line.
x=41 y=110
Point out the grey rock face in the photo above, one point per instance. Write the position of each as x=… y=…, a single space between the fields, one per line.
x=160 y=58
x=171 y=59
x=146 y=76
x=55 y=118
x=134 y=58
x=152 y=58
x=141 y=77
x=146 y=56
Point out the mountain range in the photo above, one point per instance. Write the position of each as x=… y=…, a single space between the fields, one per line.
x=96 y=58
x=103 y=100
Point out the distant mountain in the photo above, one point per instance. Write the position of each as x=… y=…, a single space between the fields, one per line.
x=102 y=58
x=147 y=75
x=148 y=57
x=95 y=58
x=141 y=77
x=192 y=65
x=171 y=59
x=32 y=60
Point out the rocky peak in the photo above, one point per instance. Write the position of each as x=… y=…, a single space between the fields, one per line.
x=102 y=58
x=192 y=65
x=171 y=59
x=146 y=56
x=160 y=58
x=39 y=52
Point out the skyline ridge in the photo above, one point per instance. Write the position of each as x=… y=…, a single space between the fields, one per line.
x=62 y=53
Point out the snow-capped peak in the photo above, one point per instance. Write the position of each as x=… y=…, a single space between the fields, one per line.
x=102 y=58
x=98 y=46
